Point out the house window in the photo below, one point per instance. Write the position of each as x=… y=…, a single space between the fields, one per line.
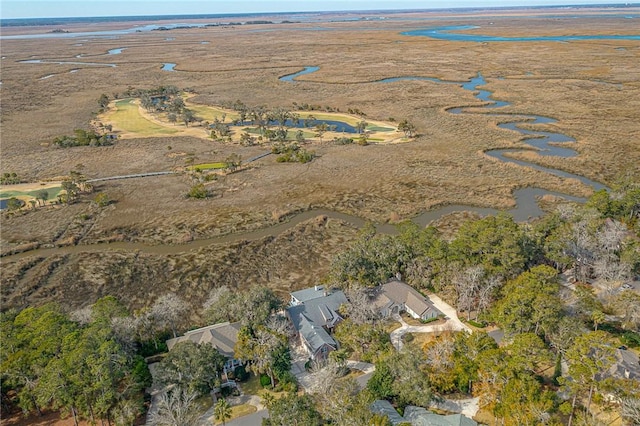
x=323 y=350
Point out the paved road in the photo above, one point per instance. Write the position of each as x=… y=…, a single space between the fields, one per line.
x=137 y=175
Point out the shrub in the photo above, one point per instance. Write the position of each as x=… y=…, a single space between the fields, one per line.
x=477 y=324
x=265 y=380
x=630 y=339
x=408 y=338
x=240 y=373
x=198 y=191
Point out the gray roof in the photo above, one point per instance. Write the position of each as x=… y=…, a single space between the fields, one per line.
x=222 y=336
x=419 y=416
x=384 y=407
x=314 y=335
x=320 y=311
x=403 y=293
x=627 y=365
x=306 y=294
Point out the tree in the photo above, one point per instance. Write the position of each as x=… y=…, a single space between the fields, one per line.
x=198 y=191
x=359 y=307
x=42 y=196
x=530 y=302
x=523 y=401
x=103 y=101
x=14 y=204
x=321 y=129
x=192 y=367
x=495 y=242
x=222 y=411
x=102 y=199
x=408 y=128
x=167 y=311
x=292 y=410
x=361 y=126
x=187 y=116
x=402 y=378
x=176 y=407
x=591 y=355
x=233 y=162
x=71 y=190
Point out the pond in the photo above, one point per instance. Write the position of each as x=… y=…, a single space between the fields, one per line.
x=168 y=66
x=332 y=125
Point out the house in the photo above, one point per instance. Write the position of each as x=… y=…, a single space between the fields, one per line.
x=314 y=313
x=301 y=296
x=396 y=296
x=626 y=365
x=418 y=416
x=222 y=336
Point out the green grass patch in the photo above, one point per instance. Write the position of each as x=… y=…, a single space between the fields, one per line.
x=53 y=193
x=208 y=166
x=380 y=129
x=210 y=113
x=128 y=118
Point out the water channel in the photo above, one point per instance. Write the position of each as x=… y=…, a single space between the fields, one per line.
x=526 y=198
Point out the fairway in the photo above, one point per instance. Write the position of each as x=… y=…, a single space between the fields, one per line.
x=210 y=113
x=208 y=166
x=127 y=118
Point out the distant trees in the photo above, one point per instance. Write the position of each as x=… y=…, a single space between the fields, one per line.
x=83 y=137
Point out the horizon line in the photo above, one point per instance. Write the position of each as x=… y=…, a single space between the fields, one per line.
x=385 y=10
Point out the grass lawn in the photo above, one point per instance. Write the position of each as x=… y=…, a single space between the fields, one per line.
x=53 y=193
x=208 y=166
x=239 y=411
x=390 y=325
x=380 y=129
x=210 y=113
x=420 y=339
x=352 y=121
x=252 y=387
x=128 y=118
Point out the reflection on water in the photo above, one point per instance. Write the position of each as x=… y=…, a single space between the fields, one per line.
x=446 y=33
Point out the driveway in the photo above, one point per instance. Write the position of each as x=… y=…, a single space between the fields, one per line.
x=452 y=323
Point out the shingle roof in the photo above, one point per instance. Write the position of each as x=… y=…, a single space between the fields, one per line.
x=419 y=416
x=400 y=292
x=319 y=311
x=222 y=336
x=314 y=335
x=309 y=293
x=384 y=407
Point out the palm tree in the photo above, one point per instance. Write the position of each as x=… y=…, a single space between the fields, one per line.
x=222 y=411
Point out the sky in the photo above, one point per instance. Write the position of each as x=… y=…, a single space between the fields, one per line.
x=74 y=8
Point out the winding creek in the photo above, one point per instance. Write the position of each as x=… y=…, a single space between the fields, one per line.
x=544 y=142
